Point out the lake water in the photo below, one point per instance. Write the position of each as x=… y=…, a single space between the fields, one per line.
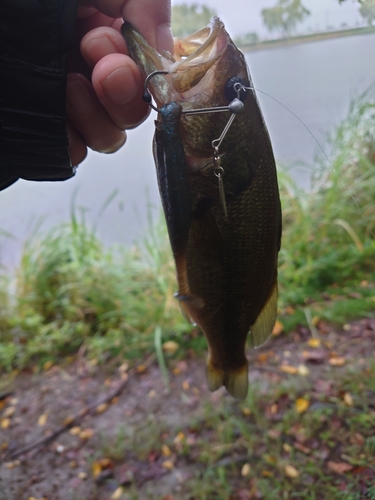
x=316 y=81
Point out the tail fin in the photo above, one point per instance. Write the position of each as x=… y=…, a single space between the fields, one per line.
x=235 y=381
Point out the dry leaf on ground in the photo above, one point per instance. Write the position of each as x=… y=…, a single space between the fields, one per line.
x=339 y=467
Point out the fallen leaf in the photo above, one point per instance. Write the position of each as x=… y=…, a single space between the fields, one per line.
x=166 y=451
x=339 y=467
x=47 y=365
x=291 y=471
x=5 y=423
x=348 y=399
x=74 y=431
x=42 y=420
x=278 y=328
x=124 y=367
x=179 y=438
x=300 y=447
x=303 y=370
x=117 y=493
x=302 y=404
x=265 y=356
x=245 y=471
x=170 y=346
x=168 y=464
x=266 y=473
x=314 y=342
x=292 y=370
x=86 y=434
x=106 y=463
x=337 y=361
x=96 y=469
x=274 y=433
x=9 y=412
x=102 y=408
x=11 y=465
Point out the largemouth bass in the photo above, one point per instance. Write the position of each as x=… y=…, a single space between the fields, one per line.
x=222 y=205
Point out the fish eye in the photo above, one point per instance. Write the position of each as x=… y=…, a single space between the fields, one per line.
x=229 y=88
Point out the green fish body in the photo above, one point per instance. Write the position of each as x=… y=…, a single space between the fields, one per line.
x=225 y=251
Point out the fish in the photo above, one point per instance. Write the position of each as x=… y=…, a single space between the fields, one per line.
x=221 y=204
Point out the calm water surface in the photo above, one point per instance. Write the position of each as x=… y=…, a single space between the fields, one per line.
x=316 y=81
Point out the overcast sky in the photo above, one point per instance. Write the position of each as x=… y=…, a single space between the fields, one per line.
x=243 y=16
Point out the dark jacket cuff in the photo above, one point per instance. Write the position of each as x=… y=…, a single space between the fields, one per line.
x=34 y=38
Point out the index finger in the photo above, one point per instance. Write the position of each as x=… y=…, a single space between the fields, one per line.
x=150 y=17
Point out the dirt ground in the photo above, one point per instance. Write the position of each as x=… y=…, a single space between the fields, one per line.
x=72 y=466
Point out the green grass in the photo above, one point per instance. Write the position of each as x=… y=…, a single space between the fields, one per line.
x=70 y=291
x=328 y=243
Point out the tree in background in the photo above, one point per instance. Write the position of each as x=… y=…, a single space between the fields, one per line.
x=187 y=19
x=247 y=39
x=284 y=16
x=367 y=10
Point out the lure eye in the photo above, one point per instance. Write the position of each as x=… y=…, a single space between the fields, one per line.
x=230 y=91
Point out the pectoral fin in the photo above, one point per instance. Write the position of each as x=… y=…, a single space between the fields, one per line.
x=262 y=328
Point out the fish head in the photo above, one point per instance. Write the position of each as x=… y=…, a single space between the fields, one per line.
x=198 y=71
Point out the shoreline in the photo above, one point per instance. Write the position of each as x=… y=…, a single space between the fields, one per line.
x=315 y=37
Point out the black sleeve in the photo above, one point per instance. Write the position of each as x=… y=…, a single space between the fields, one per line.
x=34 y=38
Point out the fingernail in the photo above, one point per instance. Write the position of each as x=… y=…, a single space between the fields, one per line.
x=78 y=97
x=120 y=86
x=164 y=38
x=102 y=47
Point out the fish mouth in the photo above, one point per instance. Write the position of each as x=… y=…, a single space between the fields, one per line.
x=191 y=69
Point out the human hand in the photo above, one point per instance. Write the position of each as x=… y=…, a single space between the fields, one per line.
x=104 y=85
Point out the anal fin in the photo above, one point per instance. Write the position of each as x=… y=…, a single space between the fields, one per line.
x=262 y=328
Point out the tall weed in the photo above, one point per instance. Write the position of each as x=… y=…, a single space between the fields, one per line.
x=328 y=233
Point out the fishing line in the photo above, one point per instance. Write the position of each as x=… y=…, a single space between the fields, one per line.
x=295 y=116
x=239 y=87
x=235 y=107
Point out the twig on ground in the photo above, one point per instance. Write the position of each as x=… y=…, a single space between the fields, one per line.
x=72 y=421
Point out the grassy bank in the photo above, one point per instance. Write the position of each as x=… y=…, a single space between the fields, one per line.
x=71 y=293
